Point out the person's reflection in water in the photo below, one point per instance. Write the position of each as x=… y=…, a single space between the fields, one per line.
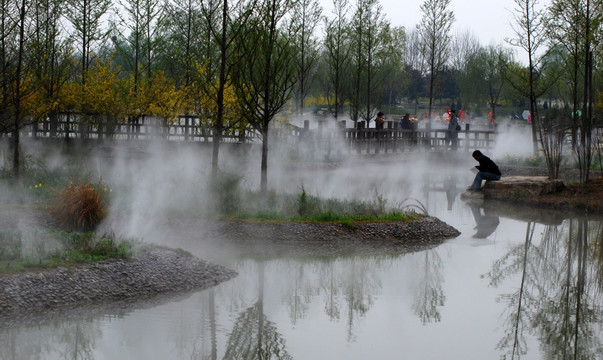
x=485 y=224
x=451 y=190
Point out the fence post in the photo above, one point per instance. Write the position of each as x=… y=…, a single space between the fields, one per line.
x=360 y=135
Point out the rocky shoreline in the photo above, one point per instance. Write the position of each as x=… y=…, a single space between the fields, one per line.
x=149 y=273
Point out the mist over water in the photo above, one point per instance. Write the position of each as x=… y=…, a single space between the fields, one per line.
x=150 y=181
x=309 y=307
x=513 y=141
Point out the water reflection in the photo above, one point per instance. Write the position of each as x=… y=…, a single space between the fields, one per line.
x=558 y=299
x=452 y=189
x=359 y=306
x=485 y=223
x=66 y=340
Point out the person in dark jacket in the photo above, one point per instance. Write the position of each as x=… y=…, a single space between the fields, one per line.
x=380 y=121
x=487 y=170
x=453 y=131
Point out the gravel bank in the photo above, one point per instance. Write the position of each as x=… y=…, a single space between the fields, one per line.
x=311 y=239
x=148 y=274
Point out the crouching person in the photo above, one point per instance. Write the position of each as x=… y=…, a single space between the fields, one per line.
x=487 y=170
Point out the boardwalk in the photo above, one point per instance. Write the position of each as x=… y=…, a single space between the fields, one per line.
x=321 y=140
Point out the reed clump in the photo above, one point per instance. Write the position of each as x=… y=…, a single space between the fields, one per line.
x=79 y=206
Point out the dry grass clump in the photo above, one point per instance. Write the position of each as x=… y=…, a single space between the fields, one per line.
x=79 y=206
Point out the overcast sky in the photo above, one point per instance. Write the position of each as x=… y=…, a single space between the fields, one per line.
x=489 y=20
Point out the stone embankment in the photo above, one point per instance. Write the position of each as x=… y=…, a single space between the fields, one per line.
x=150 y=273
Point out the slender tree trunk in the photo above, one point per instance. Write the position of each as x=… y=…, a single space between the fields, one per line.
x=585 y=131
x=528 y=241
x=212 y=323
x=368 y=71
x=18 y=94
x=219 y=123
x=84 y=37
x=581 y=272
x=264 y=166
x=302 y=82
x=267 y=99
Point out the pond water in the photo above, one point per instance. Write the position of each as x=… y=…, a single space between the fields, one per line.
x=517 y=283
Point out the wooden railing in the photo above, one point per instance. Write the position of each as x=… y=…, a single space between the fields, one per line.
x=322 y=139
x=389 y=140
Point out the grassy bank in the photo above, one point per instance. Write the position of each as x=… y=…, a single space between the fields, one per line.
x=44 y=249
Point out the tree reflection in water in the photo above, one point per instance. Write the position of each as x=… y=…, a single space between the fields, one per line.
x=350 y=283
x=559 y=296
x=67 y=340
x=429 y=296
x=253 y=336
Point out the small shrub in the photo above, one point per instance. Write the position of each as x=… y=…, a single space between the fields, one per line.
x=303 y=208
x=79 y=206
x=226 y=193
x=88 y=246
x=10 y=245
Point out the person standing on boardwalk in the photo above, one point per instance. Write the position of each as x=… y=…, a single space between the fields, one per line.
x=453 y=131
x=487 y=170
x=380 y=121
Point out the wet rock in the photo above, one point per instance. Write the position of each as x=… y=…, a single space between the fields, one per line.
x=517 y=187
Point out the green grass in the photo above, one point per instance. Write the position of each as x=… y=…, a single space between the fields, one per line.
x=76 y=248
x=328 y=217
x=306 y=207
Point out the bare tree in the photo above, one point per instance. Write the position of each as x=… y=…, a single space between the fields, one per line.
x=414 y=49
x=434 y=31
x=265 y=74
x=50 y=57
x=226 y=24
x=463 y=45
x=184 y=37
x=593 y=18
x=86 y=16
x=141 y=22
x=566 y=28
x=306 y=16
x=18 y=75
x=370 y=40
x=8 y=39
x=530 y=32
x=337 y=55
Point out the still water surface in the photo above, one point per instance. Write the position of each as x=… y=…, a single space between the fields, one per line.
x=507 y=287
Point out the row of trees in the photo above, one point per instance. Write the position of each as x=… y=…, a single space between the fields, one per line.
x=240 y=63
